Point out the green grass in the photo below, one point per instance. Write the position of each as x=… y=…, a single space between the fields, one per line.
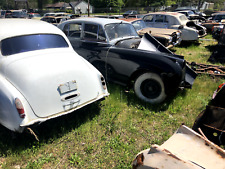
x=108 y=134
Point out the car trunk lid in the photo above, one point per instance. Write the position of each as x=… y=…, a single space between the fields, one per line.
x=52 y=83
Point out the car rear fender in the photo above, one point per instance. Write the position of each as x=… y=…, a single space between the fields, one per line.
x=9 y=116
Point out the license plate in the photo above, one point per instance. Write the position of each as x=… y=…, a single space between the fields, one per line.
x=68 y=87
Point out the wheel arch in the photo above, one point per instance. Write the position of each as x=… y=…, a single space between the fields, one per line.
x=140 y=71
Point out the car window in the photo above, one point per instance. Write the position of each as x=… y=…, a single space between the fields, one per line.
x=138 y=25
x=94 y=32
x=159 y=18
x=183 y=18
x=219 y=17
x=120 y=30
x=191 y=13
x=101 y=34
x=27 y=43
x=72 y=29
x=90 y=32
x=166 y=19
x=149 y=18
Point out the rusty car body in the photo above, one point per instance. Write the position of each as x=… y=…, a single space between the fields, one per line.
x=218 y=53
x=216 y=19
x=211 y=119
x=184 y=149
x=168 y=37
x=115 y=49
x=174 y=20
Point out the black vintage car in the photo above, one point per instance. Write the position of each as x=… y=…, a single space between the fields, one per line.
x=116 y=50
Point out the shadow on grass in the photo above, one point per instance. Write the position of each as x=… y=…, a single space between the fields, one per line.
x=185 y=44
x=47 y=131
x=211 y=48
x=53 y=129
x=217 y=54
x=133 y=100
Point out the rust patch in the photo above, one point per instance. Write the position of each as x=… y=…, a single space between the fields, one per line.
x=138 y=161
x=172 y=155
x=206 y=143
x=221 y=154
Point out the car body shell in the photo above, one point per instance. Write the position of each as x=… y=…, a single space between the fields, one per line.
x=49 y=82
x=191 y=15
x=221 y=39
x=168 y=37
x=184 y=149
x=19 y=14
x=216 y=19
x=120 y=59
x=185 y=8
x=55 y=20
x=34 y=16
x=174 y=20
x=130 y=13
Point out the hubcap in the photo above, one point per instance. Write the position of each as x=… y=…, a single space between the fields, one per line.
x=151 y=88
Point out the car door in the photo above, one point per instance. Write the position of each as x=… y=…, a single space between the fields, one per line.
x=95 y=48
x=161 y=21
x=149 y=20
x=73 y=32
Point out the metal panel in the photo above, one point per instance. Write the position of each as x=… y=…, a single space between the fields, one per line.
x=185 y=149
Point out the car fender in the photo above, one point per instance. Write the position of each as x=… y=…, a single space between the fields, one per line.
x=187 y=34
x=9 y=116
x=137 y=62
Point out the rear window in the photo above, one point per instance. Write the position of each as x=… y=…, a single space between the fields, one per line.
x=27 y=43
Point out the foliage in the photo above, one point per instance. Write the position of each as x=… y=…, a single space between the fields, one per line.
x=9 y=4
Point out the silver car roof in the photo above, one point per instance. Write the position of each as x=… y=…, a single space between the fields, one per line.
x=100 y=21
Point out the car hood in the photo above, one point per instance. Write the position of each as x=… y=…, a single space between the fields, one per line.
x=149 y=43
x=51 y=83
x=156 y=31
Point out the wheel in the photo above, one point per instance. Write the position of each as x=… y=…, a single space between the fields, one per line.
x=150 y=88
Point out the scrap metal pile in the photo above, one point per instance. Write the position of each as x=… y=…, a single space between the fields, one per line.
x=213 y=70
x=195 y=148
x=185 y=149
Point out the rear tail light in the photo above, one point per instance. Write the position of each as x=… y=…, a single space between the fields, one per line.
x=20 y=108
x=103 y=82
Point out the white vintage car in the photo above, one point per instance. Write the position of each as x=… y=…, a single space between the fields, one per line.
x=173 y=20
x=41 y=76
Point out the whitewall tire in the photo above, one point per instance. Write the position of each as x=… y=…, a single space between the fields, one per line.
x=150 y=88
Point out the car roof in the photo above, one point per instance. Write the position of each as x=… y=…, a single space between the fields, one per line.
x=221 y=13
x=130 y=19
x=17 y=27
x=184 y=11
x=101 y=21
x=167 y=13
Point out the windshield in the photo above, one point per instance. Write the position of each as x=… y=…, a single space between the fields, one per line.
x=183 y=18
x=219 y=17
x=27 y=43
x=191 y=13
x=120 y=30
x=138 y=25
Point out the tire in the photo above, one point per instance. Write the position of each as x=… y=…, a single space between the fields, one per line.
x=150 y=88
